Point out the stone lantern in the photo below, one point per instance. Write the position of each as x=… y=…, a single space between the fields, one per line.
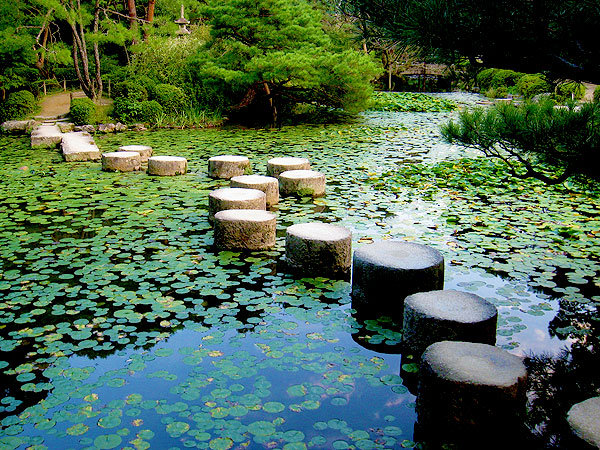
x=182 y=22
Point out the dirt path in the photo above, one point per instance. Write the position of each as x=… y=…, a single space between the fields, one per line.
x=55 y=105
x=589 y=92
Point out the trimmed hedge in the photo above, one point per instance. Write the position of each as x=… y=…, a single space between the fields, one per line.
x=505 y=78
x=131 y=90
x=484 y=78
x=18 y=105
x=172 y=98
x=83 y=111
x=150 y=111
x=530 y=85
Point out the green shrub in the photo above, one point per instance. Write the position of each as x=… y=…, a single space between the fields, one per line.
x=570 y=89
x=498 y=92
x=150 y=111
x=530 y=85
x=505 y=78
x=147 y=83
x=484 y=78
x=172 y=98
x=127 y=111
x=131 y=90
x=18 y=105
x=597 y=94
x=83 y=111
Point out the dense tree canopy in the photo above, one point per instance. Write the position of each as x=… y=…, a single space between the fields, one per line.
x=272 y=54
x=557 y=36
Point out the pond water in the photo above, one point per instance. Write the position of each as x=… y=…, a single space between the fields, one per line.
x=121 y=326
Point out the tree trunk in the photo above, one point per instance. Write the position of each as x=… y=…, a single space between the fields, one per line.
x=273 y=107
x=132 y=16
x=149 y=17
x=92 y=89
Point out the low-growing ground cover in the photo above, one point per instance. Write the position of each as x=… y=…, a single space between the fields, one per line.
x=121 y=327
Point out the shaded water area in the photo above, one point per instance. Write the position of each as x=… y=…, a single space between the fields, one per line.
x=121 y=326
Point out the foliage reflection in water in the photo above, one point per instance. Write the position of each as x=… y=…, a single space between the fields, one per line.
x=122 y=328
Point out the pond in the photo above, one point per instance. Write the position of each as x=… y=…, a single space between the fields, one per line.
x=121 y=326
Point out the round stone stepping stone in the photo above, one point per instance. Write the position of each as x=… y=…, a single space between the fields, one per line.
x=145 y=151
x=228 y=166
x=446 y=316
x=235 y=198
x=269 y=185
x=167 y=165
x=276 y=166
x=302 y=182
x=471 y=391
x=245 y=229
x=385 y=272
x=584 y=420
x=319 y=249
x=121 y=161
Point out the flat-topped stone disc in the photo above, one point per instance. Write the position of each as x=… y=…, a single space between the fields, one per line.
x=447 y=315
x=385 y=272
x=167 y=165
x=471 y=392
x=302 y=182
x=245 y=229
x=275 y=166
x=228 y=166
x=269 y=185
x=319 y=249
x=121 y=161
x=235 y=198
x=145 y=151
x=584 y=420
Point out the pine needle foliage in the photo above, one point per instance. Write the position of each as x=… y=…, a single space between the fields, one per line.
x=534 y=139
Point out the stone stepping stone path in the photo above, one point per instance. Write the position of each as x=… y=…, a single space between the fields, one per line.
x=46 y=135
x=145 y=151
x=471 y=392
x=302 y=183
x=235 y=198
x=584 y=421
x=447 y=315
x=167 y=165
x=228 y=166
x=121 y=161
x=319 y=249
x=385 y=272
x=245 y=229
x=18 y=126
x=269 y=185
x=79 y=146
x=276 y=166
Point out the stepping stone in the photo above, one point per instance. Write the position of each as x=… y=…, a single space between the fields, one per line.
x=228 y=166
x=447 y=315
x=471 y=392
x=167 y=165
x=245 y=229
x=276 y=166
x=385 y=272
x=79 y=146
x=17 y=126
x=235 y=198
x=46 y=135
x=319 y=249
x=584 y=420
x=269 y=185
x=302 y=182
x=145 y=151
x=121 y=161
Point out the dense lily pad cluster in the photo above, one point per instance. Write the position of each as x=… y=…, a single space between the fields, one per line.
x=122 y=327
